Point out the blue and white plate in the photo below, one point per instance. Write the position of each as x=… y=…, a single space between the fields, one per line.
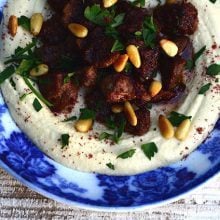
x=23 y=160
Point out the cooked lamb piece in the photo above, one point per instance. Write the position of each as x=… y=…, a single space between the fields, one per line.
x=88 y=76
x=141 y=92
x=57 y=5
x=62 y=95
x=185 y=47
x=98 y=49
x=172 y=71
x=52 y=31
x=177 y=19
x=52 y=55
x=118 y=88
x=133 y=20
x=95 y=100
x=143 y=125
x=168 y=95
x=149 y=63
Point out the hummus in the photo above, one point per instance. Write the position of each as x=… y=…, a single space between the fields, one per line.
x=85 y=152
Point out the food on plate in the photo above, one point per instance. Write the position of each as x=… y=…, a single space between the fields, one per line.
x=99 y=82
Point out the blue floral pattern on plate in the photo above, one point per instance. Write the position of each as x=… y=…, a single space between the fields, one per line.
x=22 y=159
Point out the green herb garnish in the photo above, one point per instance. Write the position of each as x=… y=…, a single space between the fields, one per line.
x=22 y=97
x=110 y=166
x=192 y=63
x=65 y=140
x=6 y=73
x=127 y=154
x=37 y=106
x=73 y=118
x=87 y=114
x=213 y=70
x=68 y=78
x=117 y=46
x=204 y=89
x=24 y=22
x=176 y=118
x=149 y=149
x=138 y=2
x=13 y=84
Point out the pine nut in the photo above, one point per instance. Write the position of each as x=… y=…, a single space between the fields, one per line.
x=84 y=126
x=183 y=130
x=134 y=55
x=36 y=23
x=155 y=88
x=169 y=47
x=166 y=128
x=117 y=109
x=78 y=30
x=130 y=114
x=120 y=63
x=109 y=3
x=40 y=70
x=13 y=25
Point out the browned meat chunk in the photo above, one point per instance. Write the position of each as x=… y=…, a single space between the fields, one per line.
x=98 y=50
x=95 y=100
x=141 y=92
x=168 y=95
x=62 y=95
x=133 y=20
x=150 y=59
x=57 y=5
x=143 y=125
x=53 y=31
x=118 y=88
x=172 y=71
x=88 y=76
x=179 y=18
x=185 y=47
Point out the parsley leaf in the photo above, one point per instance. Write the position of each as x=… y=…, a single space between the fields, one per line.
x=22 y=97
x=64 y=140
x=87 y=114
x=73 y=118
x=37 y=106
x=213 y=70
x=117 y=46
x=24 y=22
x=110 y=166
x=68 y=77
x=127 y=154
x=6 y=73
x=149 y=149
x=192 y=63
x=176 y=118
x=204 y=89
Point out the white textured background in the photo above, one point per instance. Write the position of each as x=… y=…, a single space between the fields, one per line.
x=18 y=202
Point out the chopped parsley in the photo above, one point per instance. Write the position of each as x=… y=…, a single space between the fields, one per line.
x=192 y=63
x=204 y=89
x=73 y=118
x=13 y=84
x=149 y=149
x=68 y=77
x=6 y=73
x=117 y=46
x=213 y=70
x=64 y=140
x=22 y=97
x=36 y=104
x=87 y=114
x=110 y=166
x=127 y=154
x=176 y=118
x=24 y=22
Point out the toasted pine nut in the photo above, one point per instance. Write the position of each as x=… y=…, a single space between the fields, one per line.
x=109 y=3
x=120 y=63
x=183 y=130
x=117 y=109
x=130 y=114
x=84 y=125
x=155 y=88
x=169 y=47
x=78 y=30
x=13 y=25
x=134 y=55
x=40 y=70
x=166 y=128
x=36 y=23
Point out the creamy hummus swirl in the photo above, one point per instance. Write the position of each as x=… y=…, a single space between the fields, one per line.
x=85 y=152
